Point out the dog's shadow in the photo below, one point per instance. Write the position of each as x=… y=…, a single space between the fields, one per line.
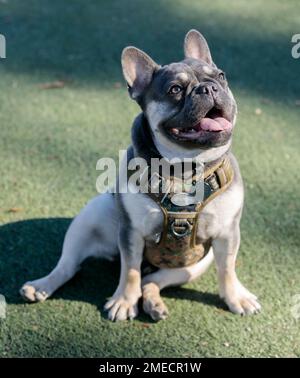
x=30 y=249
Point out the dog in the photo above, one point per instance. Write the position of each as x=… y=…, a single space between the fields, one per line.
x=188 y=111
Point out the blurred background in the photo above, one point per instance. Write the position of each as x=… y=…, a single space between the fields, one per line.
x=64 y=105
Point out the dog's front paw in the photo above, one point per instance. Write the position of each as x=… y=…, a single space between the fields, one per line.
x=241 y=301
x=121 y=308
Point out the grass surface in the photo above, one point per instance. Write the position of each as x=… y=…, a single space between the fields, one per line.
x=51 y=139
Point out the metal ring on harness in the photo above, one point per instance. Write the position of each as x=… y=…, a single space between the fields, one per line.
x=187 y=226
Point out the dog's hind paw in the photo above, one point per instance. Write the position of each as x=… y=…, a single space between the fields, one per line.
x=153 y=305
x=33 y=294
x=156 y=308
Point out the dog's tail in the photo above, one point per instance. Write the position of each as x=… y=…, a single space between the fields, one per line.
x=179 y=276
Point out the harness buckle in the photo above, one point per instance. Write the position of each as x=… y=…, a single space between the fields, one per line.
x=184 y=225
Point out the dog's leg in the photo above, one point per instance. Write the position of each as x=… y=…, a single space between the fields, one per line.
x=153 y=283
x=87 y=236
x=236 y=296
x=123 y=304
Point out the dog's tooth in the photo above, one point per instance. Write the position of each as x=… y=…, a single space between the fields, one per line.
x=175 y=131
x=190 y=131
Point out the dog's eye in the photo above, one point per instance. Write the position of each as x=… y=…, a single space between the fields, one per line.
x=221 y=76
x=175 y=89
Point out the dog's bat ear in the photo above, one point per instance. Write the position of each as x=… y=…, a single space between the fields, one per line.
x=138 y=69
x=195 y=46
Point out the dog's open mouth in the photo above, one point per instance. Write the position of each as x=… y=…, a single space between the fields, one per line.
x=213 y=122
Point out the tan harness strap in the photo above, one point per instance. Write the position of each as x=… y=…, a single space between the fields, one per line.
x=177 y=246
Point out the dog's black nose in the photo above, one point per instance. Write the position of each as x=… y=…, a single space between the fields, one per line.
x=207 y=88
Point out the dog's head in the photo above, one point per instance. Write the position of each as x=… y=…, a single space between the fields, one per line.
x=188 y=105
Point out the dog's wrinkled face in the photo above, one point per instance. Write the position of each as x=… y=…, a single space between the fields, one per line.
x=192 y=103
x=187 y=104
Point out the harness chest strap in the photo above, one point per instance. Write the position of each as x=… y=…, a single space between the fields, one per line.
x=177 y=246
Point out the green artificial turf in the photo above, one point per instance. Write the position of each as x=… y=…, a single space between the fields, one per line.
x=50 y=141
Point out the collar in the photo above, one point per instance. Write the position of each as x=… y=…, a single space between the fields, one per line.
x=176 y=195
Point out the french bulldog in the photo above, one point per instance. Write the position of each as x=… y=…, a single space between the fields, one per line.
x=188 y=111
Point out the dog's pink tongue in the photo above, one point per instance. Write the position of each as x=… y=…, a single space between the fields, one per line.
x=216 y=124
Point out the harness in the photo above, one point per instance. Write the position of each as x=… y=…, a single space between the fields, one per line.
x=177 y=245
